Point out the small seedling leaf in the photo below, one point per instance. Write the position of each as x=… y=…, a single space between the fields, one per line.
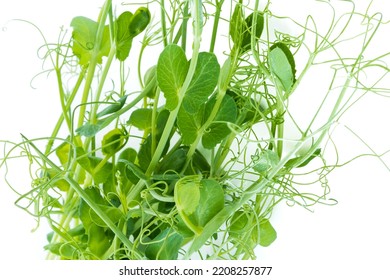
x=128 y=154
x=136 y=170
x=249 y=31
x=203 y=82
x=267 y=233
x=112 y=212
x=123 y=37
x=102 y=174
x=282 y=65
x=172 y=68
x=150 y=81
x=211 y=201
x=187 y=195
x=84 y=36
x=141 y=118
x=89 y=129
x=67 y=251
x=218 y=130
x=190 y=124
x=113 y=107
x=113 y=141
x=98 y=241
x=265 y=161
x=84 y=208
x=293 y=162
x=236 y=26
x=174 y=161
x=139 y=21
x=238 y=224
x=165 y=246
x=62 y=152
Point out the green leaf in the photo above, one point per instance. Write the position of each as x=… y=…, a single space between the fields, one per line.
x=282 y=65
x=62 y=152
x=98 y=241
x=199 y=163
x=203 y=82
x=187 y=194
x=190 y=124
x=113 y=141
x=89 y=163
x=236 y=26
x=141 y=118
x=265 y=161
x=164 y=246
x=112 y=212
x=218 y=130
x=83 y=159
x=52 y=202
x=113 y=107
x=182 y=228
x=198 y=201
x=211 y=201
x=102 y=174
x=76 y=231
x=128 y=154
x=249 y=31
x=136 y=170
x=123 y=38
x=84 y=36
x=139 y=21
x=150 y=79
x=239 y=225
x=89 y=130
x=145 y=152
x=55 y=176
x=172 y=68
x=84 y=208
x=267 y=233
x=294 y=161
x=173 y=161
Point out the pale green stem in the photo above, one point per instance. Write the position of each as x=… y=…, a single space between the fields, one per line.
x=93 y=60
x=107 y=66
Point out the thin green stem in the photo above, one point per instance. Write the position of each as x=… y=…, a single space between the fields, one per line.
x=184 y=26
x=93 y=61
x=217 y=17
x=99 y=90
x=66 y=109
x=163 y=24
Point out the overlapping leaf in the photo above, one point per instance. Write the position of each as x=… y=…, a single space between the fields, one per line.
x=84 y=40
x=203 y=82
x=172 y=68
x=218 y=130
x=282 y=65
x=198 y=201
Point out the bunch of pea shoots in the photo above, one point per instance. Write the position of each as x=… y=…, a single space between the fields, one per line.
x=174 y=139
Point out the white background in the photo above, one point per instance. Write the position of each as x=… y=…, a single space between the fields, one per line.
x=346 y=241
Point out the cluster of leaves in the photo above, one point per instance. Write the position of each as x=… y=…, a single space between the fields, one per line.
x=192 y=181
